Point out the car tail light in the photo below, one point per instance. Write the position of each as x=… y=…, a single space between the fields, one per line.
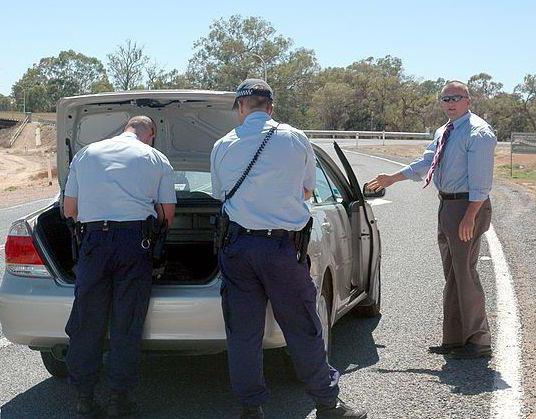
x=22 y=257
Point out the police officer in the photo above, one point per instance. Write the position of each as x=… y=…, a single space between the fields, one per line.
x=113 y=186
x=259 y=261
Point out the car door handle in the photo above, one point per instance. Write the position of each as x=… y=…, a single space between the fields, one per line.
x=326 y=227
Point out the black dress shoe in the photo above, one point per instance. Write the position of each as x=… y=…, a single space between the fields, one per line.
x=339 y=410
x=121 y=405
x=86 y=407
x=470 y=351
x=254 y=412
x=444 y=348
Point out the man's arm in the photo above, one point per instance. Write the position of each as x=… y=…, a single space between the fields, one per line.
x=70 y=207
x=480 y=156
x=167 y=212
x=384 y=181
x=307 y=194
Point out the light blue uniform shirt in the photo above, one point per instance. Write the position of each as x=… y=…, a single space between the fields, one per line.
x=467 y=161
x=271 y=196
x=119 y=179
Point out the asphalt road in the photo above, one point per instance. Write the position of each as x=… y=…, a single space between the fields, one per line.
x=383 y=361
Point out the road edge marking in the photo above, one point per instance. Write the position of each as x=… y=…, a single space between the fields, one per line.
x=375 y=157
x=507 y=399
x=28 y=203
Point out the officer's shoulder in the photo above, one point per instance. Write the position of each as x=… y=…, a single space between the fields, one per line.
x=158 y=154
x=289 y=130
x=227 y=138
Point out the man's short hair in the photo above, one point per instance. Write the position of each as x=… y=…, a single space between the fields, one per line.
x=456 y=83
x=141 y=124
x=254 y=102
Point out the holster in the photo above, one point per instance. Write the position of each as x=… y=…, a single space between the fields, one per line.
x=155 y=233
x=75 y=228
x=222 y=229
x=301 y=240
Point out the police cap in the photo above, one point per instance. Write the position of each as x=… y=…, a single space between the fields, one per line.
x=253 y=87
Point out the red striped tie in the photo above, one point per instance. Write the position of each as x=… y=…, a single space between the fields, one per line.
x=438 y=153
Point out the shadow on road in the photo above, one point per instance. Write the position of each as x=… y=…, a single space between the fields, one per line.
x=198 y=386
x=353 y=345
x=467 y=377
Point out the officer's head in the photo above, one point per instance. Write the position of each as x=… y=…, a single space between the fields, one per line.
x=144 y=128
x=253 y=95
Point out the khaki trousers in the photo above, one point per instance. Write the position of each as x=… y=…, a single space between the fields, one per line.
x=464 y=307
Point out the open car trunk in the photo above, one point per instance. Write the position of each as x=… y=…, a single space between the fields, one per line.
x=188 y=123
x=189 y=257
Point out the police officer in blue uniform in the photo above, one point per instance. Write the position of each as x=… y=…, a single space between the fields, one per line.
x=259 y=259
x=113 y=187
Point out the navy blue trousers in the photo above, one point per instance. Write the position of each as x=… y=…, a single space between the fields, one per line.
x=113 y=282
x=257 y=269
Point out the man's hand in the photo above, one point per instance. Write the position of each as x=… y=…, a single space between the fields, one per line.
x=466 y=228
x=307 y=194
x=384 y=181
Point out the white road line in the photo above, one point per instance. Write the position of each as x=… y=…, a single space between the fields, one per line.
x=508 y=395
x=4 y=342
x=2 y=246
x=376 y=157
x=28 y=203
x=378 y=201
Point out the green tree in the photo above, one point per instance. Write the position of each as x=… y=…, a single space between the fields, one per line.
x=331 y=103
x=238 y=48
x=69 y=74
x=526 y=92
x=126 y=66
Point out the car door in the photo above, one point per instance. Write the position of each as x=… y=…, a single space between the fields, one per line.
x=365 y=246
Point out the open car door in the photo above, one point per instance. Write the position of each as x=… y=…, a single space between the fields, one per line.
x=365 y=237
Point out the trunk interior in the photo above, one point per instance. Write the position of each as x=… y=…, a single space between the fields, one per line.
x=189 y=256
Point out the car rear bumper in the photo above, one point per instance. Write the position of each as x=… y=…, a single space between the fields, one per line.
x=34 y=312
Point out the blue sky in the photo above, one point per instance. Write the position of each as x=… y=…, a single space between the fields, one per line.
x=449 y=39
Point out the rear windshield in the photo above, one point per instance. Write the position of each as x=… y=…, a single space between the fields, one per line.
x=186 y=181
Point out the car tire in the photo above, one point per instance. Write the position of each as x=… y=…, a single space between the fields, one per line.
x=371 y=307
x=324 y=307
x=55 y=367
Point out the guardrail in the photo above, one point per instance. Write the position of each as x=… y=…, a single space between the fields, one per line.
x=383 y=135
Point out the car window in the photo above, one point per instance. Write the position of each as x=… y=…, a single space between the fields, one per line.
x=323 y=193
x=334 y=188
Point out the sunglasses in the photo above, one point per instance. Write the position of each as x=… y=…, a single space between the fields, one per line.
x=452 y=98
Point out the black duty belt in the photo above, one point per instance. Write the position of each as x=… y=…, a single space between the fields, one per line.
x=459 y=195
x=112 y=225
x=237 y=228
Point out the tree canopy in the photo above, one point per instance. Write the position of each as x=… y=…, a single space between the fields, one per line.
x=372 y=93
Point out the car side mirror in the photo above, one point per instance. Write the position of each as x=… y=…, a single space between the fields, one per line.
x=369 y=193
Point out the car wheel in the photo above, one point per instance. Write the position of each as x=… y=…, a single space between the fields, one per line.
x=372 y=305
x=324 y=305
x=54 y=366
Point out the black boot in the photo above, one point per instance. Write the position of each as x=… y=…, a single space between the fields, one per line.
x=86 y=407
x=339 y=410
x=121 y=405
x=254 y=412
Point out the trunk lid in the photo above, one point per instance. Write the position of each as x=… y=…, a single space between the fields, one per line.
x=188 y=123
